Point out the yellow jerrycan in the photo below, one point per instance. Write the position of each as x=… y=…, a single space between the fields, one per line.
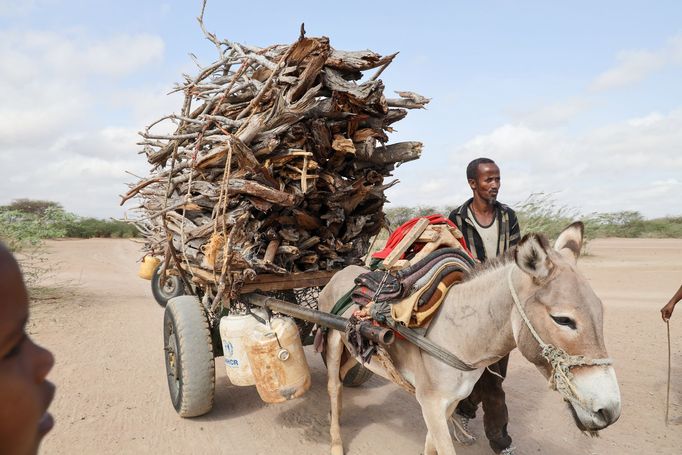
x=147 y=267
x=278 y=363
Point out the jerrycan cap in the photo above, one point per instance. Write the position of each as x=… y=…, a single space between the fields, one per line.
x=283 y=354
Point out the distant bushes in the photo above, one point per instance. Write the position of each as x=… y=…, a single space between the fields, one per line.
x=541 y=213
x=23 y=226
x=20 y=230
x=93 y=227
x=25 y=223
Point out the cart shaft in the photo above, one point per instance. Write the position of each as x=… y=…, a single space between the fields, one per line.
x=380 y=335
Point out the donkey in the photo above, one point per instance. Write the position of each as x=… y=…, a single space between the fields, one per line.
x=480 y=323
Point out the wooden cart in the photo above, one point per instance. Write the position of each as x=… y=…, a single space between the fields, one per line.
x=192 y=339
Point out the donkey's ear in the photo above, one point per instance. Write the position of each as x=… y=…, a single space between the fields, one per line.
x=532 y=256
x=570 y=241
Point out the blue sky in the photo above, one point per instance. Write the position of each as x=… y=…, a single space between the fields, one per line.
x=582 y=100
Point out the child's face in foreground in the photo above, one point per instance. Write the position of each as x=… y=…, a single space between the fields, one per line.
x=24 y=393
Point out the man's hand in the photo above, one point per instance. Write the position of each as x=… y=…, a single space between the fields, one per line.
x=667 y=310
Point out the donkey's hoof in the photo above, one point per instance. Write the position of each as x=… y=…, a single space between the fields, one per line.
x=337 y=449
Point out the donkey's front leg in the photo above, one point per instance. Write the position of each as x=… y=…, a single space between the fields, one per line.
x=435 y=411
x=334 y=352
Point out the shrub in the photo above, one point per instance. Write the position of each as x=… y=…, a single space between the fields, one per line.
x=540 y=213
x=93 y=227
x=20 y=230
x=31 y=206
x=616 y=224
x=398 y=215
x=667 y=227
x=26 y=223
x=24 y=232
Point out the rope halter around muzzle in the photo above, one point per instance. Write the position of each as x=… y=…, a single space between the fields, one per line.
x=561 y=378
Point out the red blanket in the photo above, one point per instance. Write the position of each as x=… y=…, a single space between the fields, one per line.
x=402 y=230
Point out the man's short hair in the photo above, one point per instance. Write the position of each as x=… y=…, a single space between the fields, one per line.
x=472 y=168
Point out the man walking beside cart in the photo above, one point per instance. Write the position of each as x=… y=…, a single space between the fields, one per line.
x=489 y=229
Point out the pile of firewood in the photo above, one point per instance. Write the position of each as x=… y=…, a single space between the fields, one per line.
x=276 y=163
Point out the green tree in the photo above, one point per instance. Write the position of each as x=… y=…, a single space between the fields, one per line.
x=33 y=206
x=24 y=231
x=20 y=230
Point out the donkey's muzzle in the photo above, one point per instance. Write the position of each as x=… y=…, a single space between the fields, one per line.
x=600 y=398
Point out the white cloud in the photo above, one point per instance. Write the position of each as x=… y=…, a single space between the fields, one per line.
x=50 y=80
x=84 y=171
x=16 y=8
x=631 y=165
x=647 y=120
x=632 y=67
x=109 y=143
x=39 y=110
x=149 y=104
x=552 y=115
x=57 y=141
x=635 y=65
x=34 y=53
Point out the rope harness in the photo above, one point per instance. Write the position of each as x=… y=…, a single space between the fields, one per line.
x=560 y=361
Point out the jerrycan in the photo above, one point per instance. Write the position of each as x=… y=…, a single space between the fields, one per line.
x=233 y=329
x=147 y=267
x=277 y=360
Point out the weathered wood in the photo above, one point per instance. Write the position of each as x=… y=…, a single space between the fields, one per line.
x=446 y=238
x=405 y=243
x=267 y=282
x=396 y=153
x=239 y=186
x=356 y=60
x=271 y=251
x=429 y=235
x=398 y=265
x=272 y=165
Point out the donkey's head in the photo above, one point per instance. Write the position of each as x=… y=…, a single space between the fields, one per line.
x=565 y=312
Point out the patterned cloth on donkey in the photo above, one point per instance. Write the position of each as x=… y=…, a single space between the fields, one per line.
x=412 y=295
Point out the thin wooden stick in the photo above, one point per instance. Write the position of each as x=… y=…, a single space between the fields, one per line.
x=667 y=395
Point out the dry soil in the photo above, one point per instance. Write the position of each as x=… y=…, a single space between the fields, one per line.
x=105 y=331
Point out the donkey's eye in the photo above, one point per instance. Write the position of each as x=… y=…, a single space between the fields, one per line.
x=563 y=320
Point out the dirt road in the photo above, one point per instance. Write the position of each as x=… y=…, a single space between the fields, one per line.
x=112 y=398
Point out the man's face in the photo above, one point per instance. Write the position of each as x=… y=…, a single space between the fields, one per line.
x=24 y=393
x=487 y=183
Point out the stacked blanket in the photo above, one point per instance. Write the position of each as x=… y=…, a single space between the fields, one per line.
x=412 y=295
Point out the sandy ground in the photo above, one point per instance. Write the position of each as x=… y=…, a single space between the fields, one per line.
x=112 y=398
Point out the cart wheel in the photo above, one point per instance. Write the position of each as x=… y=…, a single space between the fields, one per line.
x=356 y=376
x=173 y=287
x=189 y=356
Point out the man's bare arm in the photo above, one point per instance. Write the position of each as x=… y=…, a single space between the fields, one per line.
x=667 y=310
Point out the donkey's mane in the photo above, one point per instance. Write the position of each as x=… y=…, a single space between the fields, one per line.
x=492 y=264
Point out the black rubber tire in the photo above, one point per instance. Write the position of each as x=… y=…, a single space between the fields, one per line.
x=173 y=287
x=356 y=376
x=188 y=349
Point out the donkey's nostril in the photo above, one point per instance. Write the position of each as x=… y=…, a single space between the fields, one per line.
x=605 y=414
